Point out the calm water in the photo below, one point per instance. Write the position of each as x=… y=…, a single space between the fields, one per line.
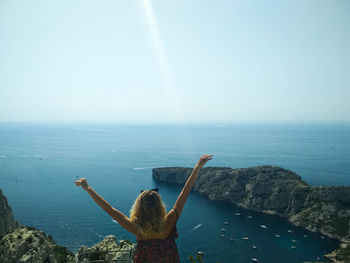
x=38 y=164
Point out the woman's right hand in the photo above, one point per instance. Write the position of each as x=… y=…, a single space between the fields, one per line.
x=204 y=159
x=83 y=183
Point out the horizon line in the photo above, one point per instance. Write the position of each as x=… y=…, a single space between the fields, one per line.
x=139 y=123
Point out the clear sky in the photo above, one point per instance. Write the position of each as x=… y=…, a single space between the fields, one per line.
x=183 y=61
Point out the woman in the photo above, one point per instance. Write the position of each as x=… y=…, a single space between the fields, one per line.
x=155 y=230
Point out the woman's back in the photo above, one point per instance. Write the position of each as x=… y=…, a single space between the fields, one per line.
x=158 y=250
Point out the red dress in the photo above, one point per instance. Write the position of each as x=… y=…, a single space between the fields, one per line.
x=158 y=250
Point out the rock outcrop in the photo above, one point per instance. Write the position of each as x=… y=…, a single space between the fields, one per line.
x=273 y=190
x=7 y=221
x=22 y=244
x=107 y=250
x=30 y=245
x=27 y=245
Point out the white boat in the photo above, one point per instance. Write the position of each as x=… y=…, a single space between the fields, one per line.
x=232 y=239
x=255 y=260
x=305 y=235
x=277 y=235
x=294 y=241
x=237 y=214
x=223 y=230
x=294 y=247
x=263 y=226
x=249 y=217
x=290 y=231
x=222 y=236
x=226 y=223
x=201 y=253
x=245 y=238
x=255 y=247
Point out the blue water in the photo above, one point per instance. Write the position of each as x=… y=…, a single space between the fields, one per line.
x=38 y=164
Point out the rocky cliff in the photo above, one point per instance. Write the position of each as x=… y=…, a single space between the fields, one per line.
x=27 y=244
x=273 y=190
x=7 y=221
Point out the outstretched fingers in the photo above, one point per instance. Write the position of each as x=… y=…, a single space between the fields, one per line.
x=204 y=159
x=79 y=181
x=207 y=157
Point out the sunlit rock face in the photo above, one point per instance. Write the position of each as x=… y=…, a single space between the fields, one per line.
x=108 y=250
x=273 y=190
x=27 y=244
x=30 y=245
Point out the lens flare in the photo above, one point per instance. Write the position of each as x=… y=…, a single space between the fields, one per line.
x=169 y=88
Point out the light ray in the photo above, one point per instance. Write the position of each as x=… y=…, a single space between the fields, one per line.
x=174 y=103
x=169 y=88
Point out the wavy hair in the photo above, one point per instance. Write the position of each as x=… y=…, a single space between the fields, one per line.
x=148 y=213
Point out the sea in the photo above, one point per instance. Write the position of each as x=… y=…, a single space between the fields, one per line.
x=40 y=162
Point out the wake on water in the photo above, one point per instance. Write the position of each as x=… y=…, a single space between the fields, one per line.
x=196 y=227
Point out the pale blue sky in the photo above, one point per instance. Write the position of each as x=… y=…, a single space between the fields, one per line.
x=193 y=61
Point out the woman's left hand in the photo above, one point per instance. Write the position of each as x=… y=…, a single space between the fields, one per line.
x=83 y=183
x=204 y=159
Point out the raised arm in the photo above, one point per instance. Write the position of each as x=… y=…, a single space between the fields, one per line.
x=122 y=219
x=181 y=200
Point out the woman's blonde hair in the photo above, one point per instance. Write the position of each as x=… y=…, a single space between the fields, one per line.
x=148 y=213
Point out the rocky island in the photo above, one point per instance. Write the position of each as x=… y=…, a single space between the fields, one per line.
x=275 y=191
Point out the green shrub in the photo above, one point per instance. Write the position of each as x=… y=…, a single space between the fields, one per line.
x=96 y=255
x=61 y=254
x=29 y=239
x=343 y=254
x=198 y=259
x=341 y=225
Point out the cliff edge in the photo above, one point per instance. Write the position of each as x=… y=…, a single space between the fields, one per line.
x=7 y=221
